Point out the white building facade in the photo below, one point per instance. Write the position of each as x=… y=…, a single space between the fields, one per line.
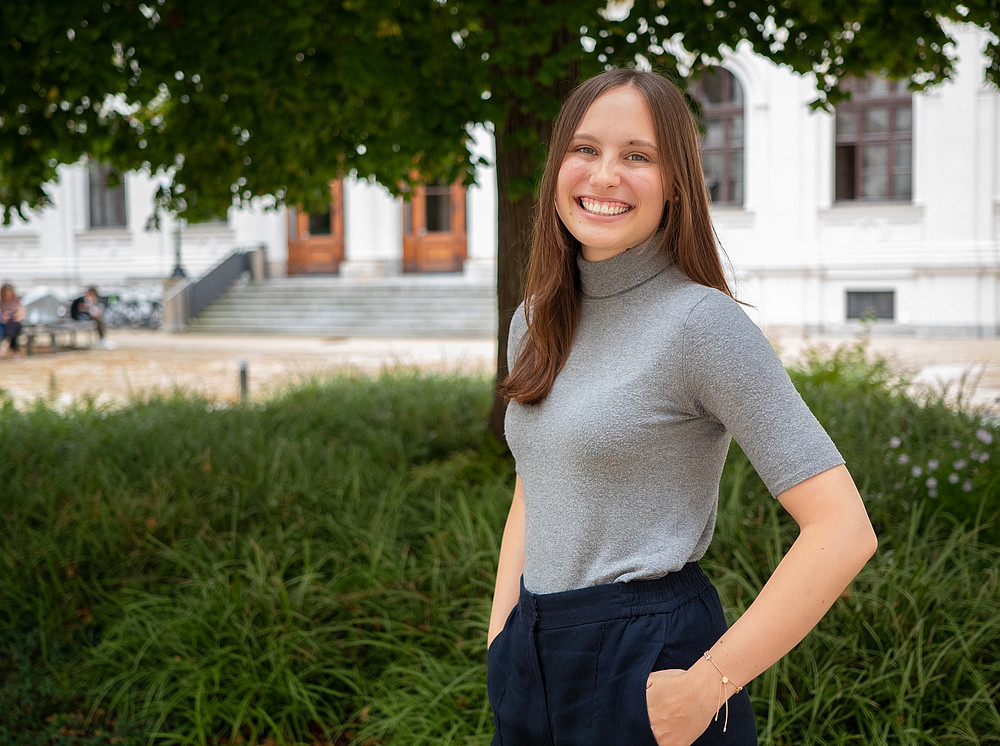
x=916 y=236
x=887 y=209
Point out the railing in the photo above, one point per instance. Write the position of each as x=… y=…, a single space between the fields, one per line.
x=217 y=281
x=187 y=299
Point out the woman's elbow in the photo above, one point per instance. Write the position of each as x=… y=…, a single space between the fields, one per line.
x=865 y=542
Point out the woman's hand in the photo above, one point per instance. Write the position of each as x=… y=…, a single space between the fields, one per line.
x=679 y=705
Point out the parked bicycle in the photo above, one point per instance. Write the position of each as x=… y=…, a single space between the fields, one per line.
x=136 y=313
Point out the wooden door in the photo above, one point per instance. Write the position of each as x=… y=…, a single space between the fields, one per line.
x=434 y=238
x=316 y=240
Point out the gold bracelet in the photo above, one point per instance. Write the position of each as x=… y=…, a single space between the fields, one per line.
x=722 y=691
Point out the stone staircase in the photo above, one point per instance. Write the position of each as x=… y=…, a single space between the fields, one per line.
x=409 y=306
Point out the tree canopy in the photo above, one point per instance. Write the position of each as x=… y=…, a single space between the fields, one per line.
x=244 y=99
x=234 y=100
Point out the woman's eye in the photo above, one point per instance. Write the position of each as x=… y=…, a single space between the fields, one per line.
x=636 y=157
x=585 y=149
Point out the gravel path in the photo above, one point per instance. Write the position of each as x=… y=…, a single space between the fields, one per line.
x=147 y=361
x=143 y=362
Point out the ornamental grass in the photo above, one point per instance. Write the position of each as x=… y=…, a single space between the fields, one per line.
x=316 y=569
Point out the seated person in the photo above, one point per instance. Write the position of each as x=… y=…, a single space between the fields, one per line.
x=87 y=307
x=11 y=316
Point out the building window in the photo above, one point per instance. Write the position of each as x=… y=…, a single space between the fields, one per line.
x=436 y=201
x=438 y=196
x=874 y=151
x=107 y=203
x=320 y=223
x=721 y=99
x=869 y=305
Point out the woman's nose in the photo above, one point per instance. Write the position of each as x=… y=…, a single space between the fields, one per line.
x=605 y=173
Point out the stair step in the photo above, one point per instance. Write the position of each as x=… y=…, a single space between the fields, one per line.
x=324 y=306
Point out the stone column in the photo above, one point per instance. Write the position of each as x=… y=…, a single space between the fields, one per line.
x=481 y=208
x=373 y=231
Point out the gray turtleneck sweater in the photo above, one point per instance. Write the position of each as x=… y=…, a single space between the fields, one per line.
x=621 y=463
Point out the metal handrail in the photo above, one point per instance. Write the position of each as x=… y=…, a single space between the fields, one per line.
x=213 y=284
x=187 y=299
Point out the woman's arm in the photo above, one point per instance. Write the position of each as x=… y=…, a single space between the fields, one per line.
x=511 y=565
x=835 y=541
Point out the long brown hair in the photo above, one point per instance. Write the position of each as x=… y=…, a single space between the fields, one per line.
x=685 y=233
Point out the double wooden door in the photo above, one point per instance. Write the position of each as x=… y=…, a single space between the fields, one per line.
x=434 y=232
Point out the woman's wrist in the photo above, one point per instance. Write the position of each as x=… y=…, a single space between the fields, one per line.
x=714 y=685
x=704 y=678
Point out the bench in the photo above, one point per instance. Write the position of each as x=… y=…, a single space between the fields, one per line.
x=60 y=333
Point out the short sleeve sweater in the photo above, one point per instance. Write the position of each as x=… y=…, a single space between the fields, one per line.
x=621 y=462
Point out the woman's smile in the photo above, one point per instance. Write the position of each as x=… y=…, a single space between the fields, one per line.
x=603 y=207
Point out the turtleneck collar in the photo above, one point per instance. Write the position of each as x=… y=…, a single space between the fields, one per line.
x=622 y=272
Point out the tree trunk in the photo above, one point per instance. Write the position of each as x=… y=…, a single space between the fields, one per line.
x=521 y=142
x=514 y=217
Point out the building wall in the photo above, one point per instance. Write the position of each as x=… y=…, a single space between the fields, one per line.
x=57 y=250
x=794 y=250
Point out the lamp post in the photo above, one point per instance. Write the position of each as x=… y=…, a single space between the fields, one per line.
x=178 y=272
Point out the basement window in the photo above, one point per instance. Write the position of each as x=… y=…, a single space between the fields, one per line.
x=878 y=305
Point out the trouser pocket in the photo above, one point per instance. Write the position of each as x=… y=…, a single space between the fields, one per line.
x=497 y=673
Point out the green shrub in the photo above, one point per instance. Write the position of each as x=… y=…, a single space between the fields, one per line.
x=318 y=568
x=904 y=449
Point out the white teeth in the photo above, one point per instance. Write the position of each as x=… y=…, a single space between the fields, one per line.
x=604 y=208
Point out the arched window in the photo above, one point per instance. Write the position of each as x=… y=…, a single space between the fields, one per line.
x=874 y=152
x=721 y=99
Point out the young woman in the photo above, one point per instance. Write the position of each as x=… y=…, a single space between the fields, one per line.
x=11 y=316
x=632 y=367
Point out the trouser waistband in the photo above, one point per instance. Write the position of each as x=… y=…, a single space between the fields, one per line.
x=601 y=603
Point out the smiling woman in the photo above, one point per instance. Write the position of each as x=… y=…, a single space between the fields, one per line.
x=611 y=185
x=633 y=369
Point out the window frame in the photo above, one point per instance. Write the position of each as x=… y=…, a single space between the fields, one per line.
x=732 y=107
x=862 y=102
x=107 y=207
x=872 y=295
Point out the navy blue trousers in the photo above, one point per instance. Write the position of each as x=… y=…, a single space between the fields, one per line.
x=570 y=668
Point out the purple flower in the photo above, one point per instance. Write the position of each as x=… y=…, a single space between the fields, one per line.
x=932 y=464
x=903 y=459
x=984 y=435
x=931 y=483
x=894 y=442
x=916 y=471
x=953 y=478
x=967 y=485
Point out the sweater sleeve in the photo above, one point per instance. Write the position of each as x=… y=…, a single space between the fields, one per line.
x=734 y=375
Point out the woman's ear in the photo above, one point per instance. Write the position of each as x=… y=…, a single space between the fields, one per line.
x=670 y=193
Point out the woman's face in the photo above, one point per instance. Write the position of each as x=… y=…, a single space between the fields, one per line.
x=611 y=188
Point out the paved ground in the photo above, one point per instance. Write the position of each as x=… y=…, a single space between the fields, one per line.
x=961 y=366
x=144 y=361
